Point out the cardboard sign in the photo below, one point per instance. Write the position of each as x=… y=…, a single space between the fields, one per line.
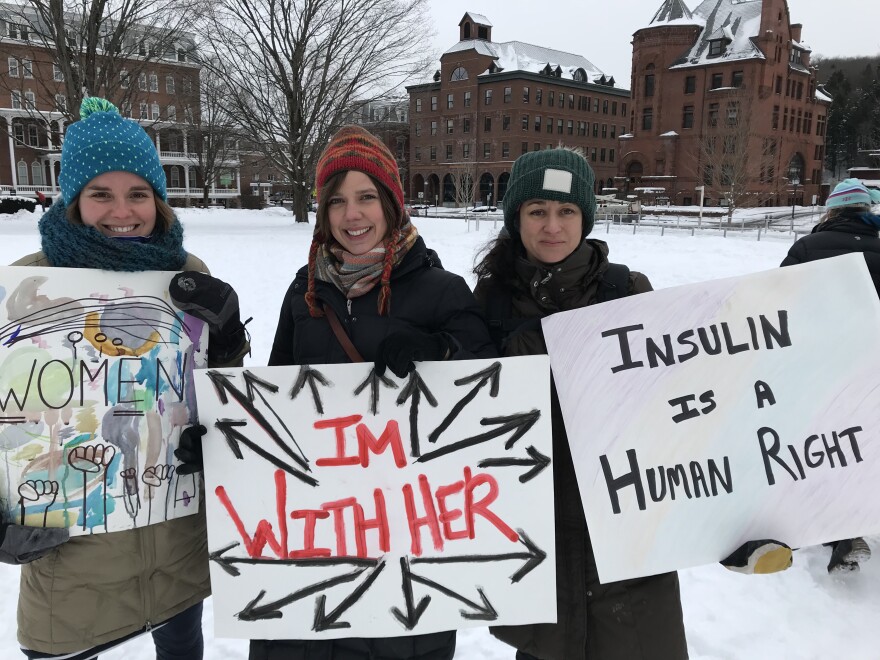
x=95 y=387
x=344 y=504
x=704 y=416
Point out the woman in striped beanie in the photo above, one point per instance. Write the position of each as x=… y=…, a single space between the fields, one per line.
x=371 y=291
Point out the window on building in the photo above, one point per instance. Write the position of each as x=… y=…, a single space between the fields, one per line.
x=687 y=117
x=602 y=155
x=57 y=73
x=595 y=129
x=647 y=119
x=434 y=104
x=418 y=128
x=611 y=155
x=126 y=109
x=144 y=111
x=525 y=97
x=450 y=101
x=736 y=79
x=785 y=119
x=508 y=94
x=458 y=73
x=154 y=114
x=779 y=84
x=154 y=82
x=61 y=102
x=37 y=173
x=142 y=82
x=505 y=149
x=595 y=105
x=583 y=127
x=717 y=80
x=605 y=106
x=537 y=146
x=450 y=127
x=649 y=85
x=171 y=113
x=593 y=154
x=571 y=101
x=559 y=126
x=13 y=67
x=549 y=125
x=418 y=153
x=716 y=48
x=604 y=130
x=505 y=123
x=800 y=90
x=487 y=150
x=22 y=173
x=690 y=84
x=181 y=55
x=169 y=84
x=487 y=124
x=433 y=153
x=551 y=98
x=418 y=105
x=820 y=125
x=466 y=150
x=448 y=152
x=467 y=99
x=487 y=99
x=613 y=131
x=33 y=135
x=570 y=127
x=466 y=125
x=433 y=128
x=732 y=112
x=174 y=178
x=27 y=68
x=30 y=100
x=18 y=133
x=524 y=148
x=537 y=123
x=539 y=95
x=713 y=114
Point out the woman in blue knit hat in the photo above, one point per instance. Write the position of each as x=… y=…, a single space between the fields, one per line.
x=848 y=225
x=543 y=263
x=86 y=594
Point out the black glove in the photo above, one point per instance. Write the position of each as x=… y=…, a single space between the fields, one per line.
x=764 y=556
x=399 y=350
x=216 y=303
x=20 y=545
x=189 y=450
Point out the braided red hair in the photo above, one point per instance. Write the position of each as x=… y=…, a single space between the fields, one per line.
x=314 y=310
x=385 y=280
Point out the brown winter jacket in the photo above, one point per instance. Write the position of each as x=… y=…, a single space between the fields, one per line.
x=637 y=619
x=97 y=589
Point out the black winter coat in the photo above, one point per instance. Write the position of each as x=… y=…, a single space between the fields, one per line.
x=842 y=235
x=425 y=298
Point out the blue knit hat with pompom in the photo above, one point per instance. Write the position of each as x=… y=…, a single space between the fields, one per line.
x=104 y=141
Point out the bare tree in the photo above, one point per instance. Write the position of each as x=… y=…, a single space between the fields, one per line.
x=297 y=68
x=95 y=47
x=464 y=175
x=727 y=153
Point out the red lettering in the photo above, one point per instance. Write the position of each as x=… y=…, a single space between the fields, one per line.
x=263 y=534
x=430 y=518
x=390 y=436
x=482 y=507
x=447 y=515
x=309 y=549
x=380 y=523
x=338 y=508
x=339 y=424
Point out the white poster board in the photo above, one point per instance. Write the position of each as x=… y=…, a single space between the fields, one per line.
x=95 y=387
x=341 y=504
x=707 y=415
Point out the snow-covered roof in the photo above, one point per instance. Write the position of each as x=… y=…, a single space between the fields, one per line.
x=822 y=96
x=673 y=12
x=734 y=22
x=476 y=18
x=519 y=56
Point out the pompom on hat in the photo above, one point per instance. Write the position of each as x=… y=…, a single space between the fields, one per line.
x=560 y=175
x=353 y=148
x=104 y=141
x=849 y=192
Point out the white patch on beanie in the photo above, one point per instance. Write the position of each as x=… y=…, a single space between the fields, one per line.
x=558 y=180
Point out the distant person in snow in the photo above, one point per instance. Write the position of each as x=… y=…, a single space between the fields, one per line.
x=847 y=226
x=540 y=264
x=371 y=291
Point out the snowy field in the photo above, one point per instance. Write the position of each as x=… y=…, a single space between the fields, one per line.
x=801 y=614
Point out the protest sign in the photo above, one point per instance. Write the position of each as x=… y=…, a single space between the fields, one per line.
x=707 y=415
x=95 y=387
x=344 y=504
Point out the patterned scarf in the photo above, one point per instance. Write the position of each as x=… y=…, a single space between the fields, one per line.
x=354 y=275
x=69 y=245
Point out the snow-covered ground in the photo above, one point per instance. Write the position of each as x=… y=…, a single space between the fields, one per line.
x=801 y=614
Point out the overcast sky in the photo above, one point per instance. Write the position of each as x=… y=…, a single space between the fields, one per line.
x=602 y=31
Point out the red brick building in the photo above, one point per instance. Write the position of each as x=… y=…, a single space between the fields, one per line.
x=491 y=101
x=724 y=96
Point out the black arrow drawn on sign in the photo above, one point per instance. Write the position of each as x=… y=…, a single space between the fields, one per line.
x=520 y=423
x=491 y=374
x=312 y=377
x=252 y=385
x=537 y=462
x=224 y=386
x=413 y=612
x=533 y=558
x=226 y=562
x=477 y=612
x=373 y=380
x=228 y=428
x=329 y=621
x=414 y=388
x=254 y=612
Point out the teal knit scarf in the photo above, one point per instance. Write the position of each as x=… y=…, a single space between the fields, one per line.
x=69 y=245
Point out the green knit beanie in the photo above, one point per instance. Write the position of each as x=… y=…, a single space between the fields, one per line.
x=559 y=175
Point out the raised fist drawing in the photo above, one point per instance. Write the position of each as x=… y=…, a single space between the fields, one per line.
x=154 y=476
x=130 y=495
x=34 y=490
x=92 y=459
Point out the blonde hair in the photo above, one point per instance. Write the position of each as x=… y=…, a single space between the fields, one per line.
x=838 y=211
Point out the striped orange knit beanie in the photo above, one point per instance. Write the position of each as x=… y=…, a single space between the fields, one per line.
x=353 y=148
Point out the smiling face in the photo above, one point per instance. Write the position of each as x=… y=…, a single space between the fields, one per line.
x=118 y=204
x=549 y=230
x=356 y=215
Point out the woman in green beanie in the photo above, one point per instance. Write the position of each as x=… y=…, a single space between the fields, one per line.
x=540 y=264
x=86 y=594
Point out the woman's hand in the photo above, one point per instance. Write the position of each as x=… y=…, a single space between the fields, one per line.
x=400 y=350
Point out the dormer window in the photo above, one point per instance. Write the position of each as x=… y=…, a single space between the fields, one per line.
x=437 y=76
x=458 y=73
x=716 y=47
x=467 y=30
x=580 y=75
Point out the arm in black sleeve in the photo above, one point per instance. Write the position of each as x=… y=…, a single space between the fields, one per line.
x=463 y=321
x=282 y=346
x=797 y=254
